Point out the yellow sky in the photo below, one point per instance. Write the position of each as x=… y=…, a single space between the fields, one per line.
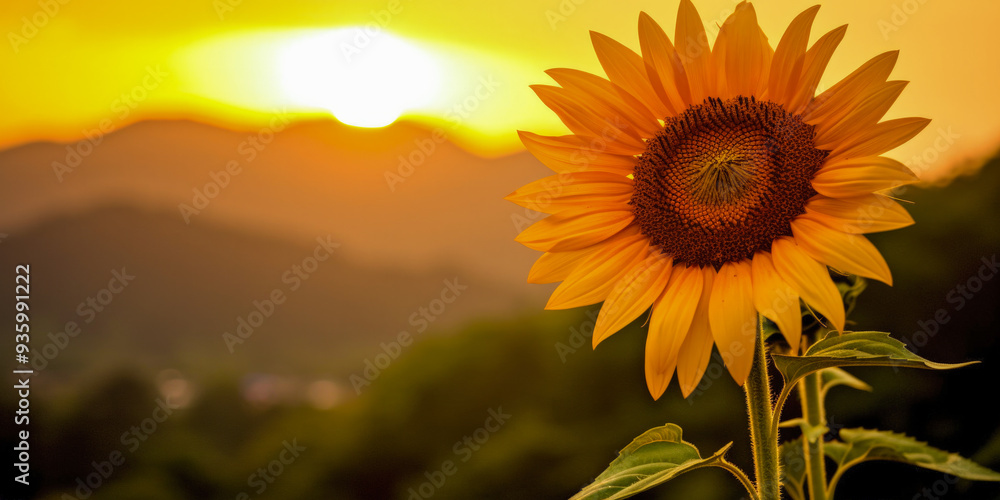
x=73 y=67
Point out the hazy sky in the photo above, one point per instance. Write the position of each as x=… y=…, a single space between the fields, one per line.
x=71 y=67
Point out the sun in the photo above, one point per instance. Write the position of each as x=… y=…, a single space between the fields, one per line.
x=365 y=78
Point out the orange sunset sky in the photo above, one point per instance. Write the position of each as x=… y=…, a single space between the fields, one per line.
x=72 y=67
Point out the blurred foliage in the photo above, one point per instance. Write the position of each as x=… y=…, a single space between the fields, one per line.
x=571 y=408
x=567 y=422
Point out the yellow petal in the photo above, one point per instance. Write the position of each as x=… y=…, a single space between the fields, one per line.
x=593 y=279
x=733 y=318
x=847 y=105
x=580 y=190
x=746 y=59
x=861 y=176
x=852 y=89
x=809 y=279
x=813 y=66
x=776 y=300
x=609 y=99
x=668 y=326
x=851 y=253
x=861 y=214
x=572 y=230
x=879 y=139
x=696 y=351
x=789 y=56
x=717 y=65
x=632 y=295
x=581 y=120
x=572 y=153
x=627 y=70
x=670 y=80
x=567 y=111
x=861 y=117
x=557 y=266
x=694 y=52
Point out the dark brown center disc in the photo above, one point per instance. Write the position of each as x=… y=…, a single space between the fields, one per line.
x=724 y=179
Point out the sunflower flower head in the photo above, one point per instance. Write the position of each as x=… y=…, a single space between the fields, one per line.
x=711 y=184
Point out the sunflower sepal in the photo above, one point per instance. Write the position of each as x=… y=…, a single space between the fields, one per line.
x=655 y=457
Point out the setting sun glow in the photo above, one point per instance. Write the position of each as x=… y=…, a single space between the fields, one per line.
x=363 y=80
x=238 y=67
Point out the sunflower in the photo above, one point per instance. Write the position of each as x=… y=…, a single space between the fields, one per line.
x=711 y=184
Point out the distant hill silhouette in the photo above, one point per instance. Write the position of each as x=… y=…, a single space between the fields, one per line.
x=312 y=178
x=192 y=282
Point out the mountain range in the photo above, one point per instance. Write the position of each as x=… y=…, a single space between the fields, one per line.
x=212 y=222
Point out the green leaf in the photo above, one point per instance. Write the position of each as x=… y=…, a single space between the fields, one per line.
x=832 y=377
x=860 y=445
x=657 y=456
x=793 y=468
x=853 y=349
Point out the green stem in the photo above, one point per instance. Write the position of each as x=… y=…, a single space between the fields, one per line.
x=779 y=406
x=836 y=477
x=734 y=470
x=810 y=393
x=764 y=443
